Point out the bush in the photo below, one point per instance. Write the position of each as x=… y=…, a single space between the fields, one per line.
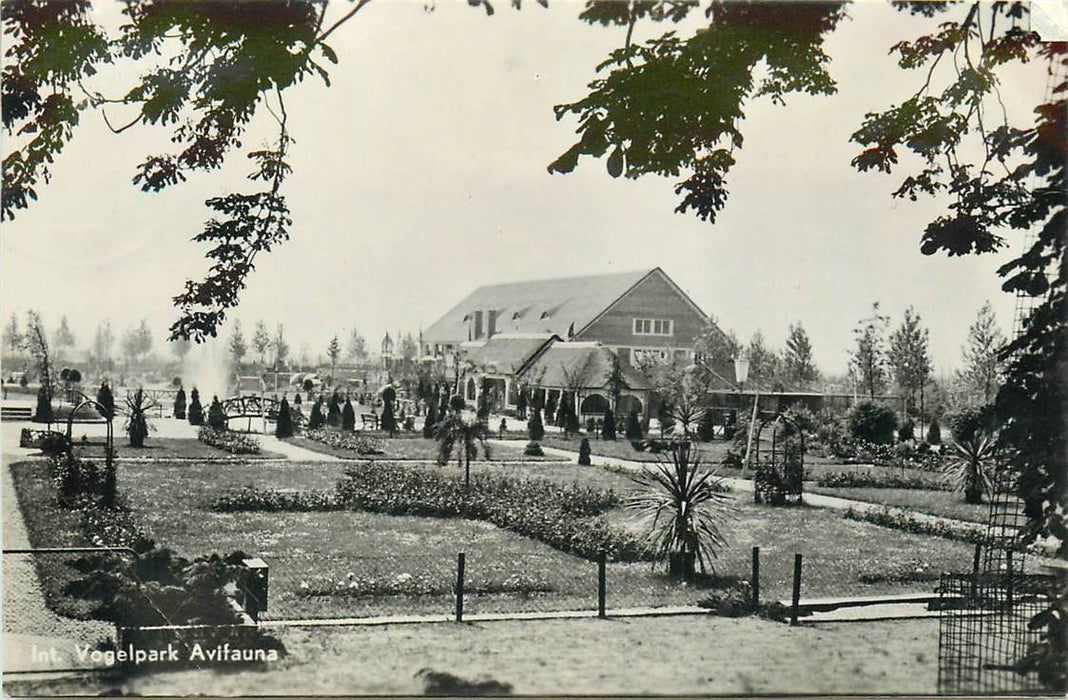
x=805 y=419
x=706 y=428
x=216 y=415
x=934 y=433
x=535 y=429
x=872 y=422
x=234 y=443
x=608 y=430
x=333 y=411
x=361 y=444
x=283 y=426
x=106 y=399
x=316 y=420
x=196 y=411
x=567 y=518
x=348 y=416
x=907 y=431
x=533 y=449
x=634 y=427
x=179 y=404
x=43 y=413
x=972 y=422
x=584 y=452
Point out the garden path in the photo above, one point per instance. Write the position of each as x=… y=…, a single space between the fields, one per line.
x=30 y=630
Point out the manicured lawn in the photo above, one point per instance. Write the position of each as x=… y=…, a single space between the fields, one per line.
x=302 y=546
x=167 y=448
x=945 y=503
x=413 y=447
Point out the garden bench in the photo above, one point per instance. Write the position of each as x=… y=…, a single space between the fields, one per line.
x=369 y=418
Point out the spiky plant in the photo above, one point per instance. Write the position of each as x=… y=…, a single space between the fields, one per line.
x=969 y=470
x=465 y=438
x=686 y=419
x=684 y=505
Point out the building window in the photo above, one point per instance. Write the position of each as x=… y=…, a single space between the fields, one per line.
x=653 y=326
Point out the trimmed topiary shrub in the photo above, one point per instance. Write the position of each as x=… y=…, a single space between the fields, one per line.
x=431 y=421
x=283 y=427
x=316 y=419
x=43 y=414
x=706 y=428
x=872 y=422
x=608 y=430
x=333 y=411
x=196 y=411
x=934 y=433
x=348 y=416
x=634 y=430
x=216 y=415
x=533 y=449
x=535 y=429
x=105 y=398
x=179 y=404
x=584 y=453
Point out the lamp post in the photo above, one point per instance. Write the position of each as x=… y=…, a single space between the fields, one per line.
x=741 y=374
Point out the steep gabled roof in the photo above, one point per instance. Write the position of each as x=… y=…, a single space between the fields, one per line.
x=540 y=306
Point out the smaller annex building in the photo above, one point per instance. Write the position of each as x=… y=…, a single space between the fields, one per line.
x=512 y=370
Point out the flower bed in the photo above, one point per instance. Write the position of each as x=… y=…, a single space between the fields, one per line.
x=900 y=520
x=234 y=443
x=360 y=444
x=251 y=498
x=854 y=479
x=563 y=517
x=371 y=586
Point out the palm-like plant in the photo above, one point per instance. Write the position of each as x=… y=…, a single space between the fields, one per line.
x=684 y=505
x=686 y=418
x=970 y=469
x=465 y=438
x=137 y=426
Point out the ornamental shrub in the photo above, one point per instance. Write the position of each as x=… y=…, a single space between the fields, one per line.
x=907 y=431
x=196 y=411
x=348 y=416
x=934 y=433
x=535 y=429
x=179 y=404
x=228 y=440
x=333 y=411
x=283 y=427
x=533 y=449
x=706 y=428
x=634 y=426
x=431 y=420
x=216 y=416
x=43 y=414
x=969 y=423
x=872 y=422
x=608 y=430
x=584 y=452
x=316 y=420
x=105 y=398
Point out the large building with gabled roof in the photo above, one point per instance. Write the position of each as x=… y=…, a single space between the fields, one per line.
x=632 y=313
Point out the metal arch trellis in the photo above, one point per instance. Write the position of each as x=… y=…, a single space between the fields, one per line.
x=779 y=476
x=109 y=444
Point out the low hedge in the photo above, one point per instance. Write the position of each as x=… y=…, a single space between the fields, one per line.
x=234 y=443
x=371 y=586
x=855 y=479
x=895 y=519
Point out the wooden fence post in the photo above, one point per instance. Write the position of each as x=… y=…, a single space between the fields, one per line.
x=460 y=587
x=756 y=578
x=797 y=589
x=602 y=588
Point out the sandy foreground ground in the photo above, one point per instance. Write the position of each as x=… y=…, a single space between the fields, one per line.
x=684 y=655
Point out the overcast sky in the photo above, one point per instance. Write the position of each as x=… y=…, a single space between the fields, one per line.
x=421 y=174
